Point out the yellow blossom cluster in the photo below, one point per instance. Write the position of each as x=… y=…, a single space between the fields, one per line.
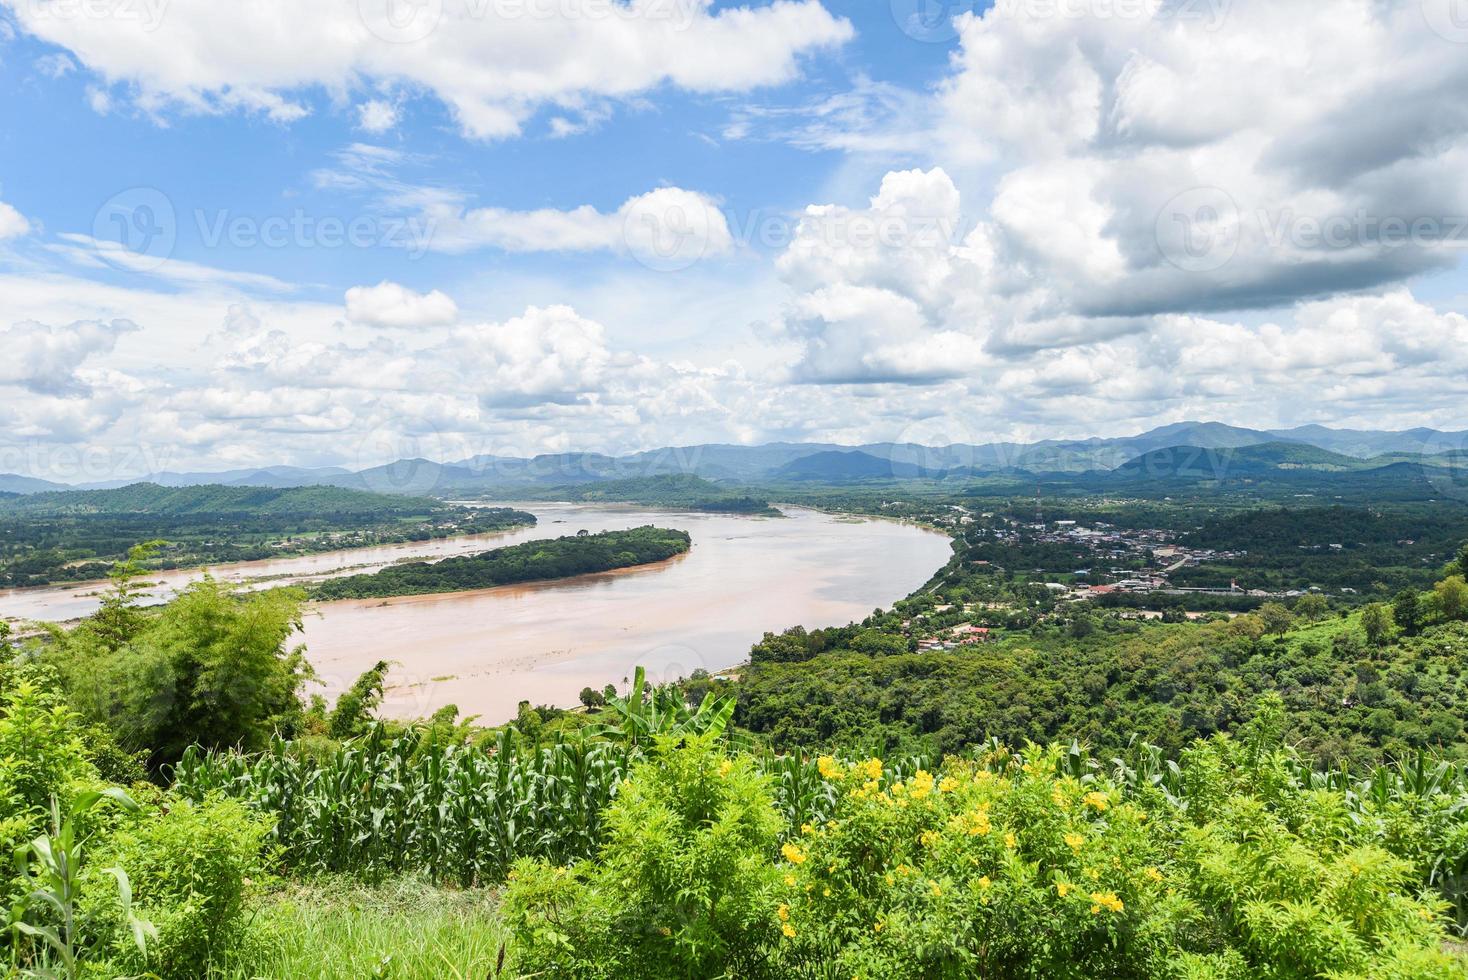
x=793 y=854
x=1105 y=900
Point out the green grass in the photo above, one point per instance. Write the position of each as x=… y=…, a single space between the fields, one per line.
x=406 y=929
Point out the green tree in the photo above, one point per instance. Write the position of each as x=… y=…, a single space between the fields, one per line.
x=1376 y=620
x=1451 y=598
x=1312 y=608
x=211 y=667
x=119 y=617
x=354 y=708
x=1276 y=618
x=1408 y=612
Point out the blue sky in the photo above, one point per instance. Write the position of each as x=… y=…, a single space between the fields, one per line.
x=1053 y=218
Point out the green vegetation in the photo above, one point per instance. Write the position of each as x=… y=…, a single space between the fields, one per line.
x=674 y=491
x=531 y=561
x=76 y=535
x=1017 y=782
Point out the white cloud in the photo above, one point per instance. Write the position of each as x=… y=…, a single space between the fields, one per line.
x=668 y=226
x=494 y=64
x=13 y=224
x=390 y=305
x=377 y=116
x=47 y=360
x=1212 y=157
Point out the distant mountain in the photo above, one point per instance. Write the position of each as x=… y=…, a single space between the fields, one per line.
x=149 y=498
x=809 y=462
x=1208 y=463
x=1366 y=443
x=13 y=483
x=846 y=467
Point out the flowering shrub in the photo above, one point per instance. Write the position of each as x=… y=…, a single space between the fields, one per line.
x=1009 y=866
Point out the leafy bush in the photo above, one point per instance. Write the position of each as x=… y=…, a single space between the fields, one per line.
x=190 y=867
x=1029 y=865
x=682 y=884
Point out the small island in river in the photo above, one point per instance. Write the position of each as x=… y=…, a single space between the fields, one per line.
x=532 y=561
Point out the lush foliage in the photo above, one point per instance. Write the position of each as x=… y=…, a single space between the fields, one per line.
x=103 y=885
x=75 y=535
x=1014 y=866
x=211 y=667
x=579 y=554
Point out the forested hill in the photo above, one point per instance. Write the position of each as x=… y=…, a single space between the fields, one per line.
x=677 y=491
x=581 y=554
x=149 y=498
x=76 y=535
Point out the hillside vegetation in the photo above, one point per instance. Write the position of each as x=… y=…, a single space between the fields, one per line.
x=77 y=535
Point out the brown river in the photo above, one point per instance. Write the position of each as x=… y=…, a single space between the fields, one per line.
x=485 y=651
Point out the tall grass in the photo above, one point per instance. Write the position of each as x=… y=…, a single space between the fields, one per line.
x=406 y=929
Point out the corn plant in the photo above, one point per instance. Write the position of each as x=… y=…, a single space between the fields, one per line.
x=50 y=869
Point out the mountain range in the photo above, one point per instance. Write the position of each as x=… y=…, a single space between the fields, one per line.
x=1314 y=448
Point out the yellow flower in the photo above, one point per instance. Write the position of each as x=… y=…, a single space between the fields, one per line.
x=793 y=854
x=891 y=881
x=922 y=784
x=790 y=881
x=788 y=930
x=826 y=893
x=1093 y=873
x=1154 y=874
x=1009 y=841
x=873 y=768
x=937 y=890
x=1064 y=888
x=1107 y=900
x=1097 y=800
x=724 y=768
x=783 y=912
x=930 y=838
x=828 y=767
x=1075 y=841
x=948 y=785
x=878 y=926
x=984 y=882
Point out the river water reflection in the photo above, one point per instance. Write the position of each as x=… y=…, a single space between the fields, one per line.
x=486 y=651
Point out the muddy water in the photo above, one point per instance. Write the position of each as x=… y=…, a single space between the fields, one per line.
x=485 y=651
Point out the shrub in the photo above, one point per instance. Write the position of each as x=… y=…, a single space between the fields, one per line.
x=1024 y=866
x=190 y=867
x=683 y=886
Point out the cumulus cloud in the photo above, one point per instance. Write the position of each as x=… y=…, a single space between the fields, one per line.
x=47 y=360
x=390 y=305
x=494 y=64
x=1213 y=157
x=377 y=116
